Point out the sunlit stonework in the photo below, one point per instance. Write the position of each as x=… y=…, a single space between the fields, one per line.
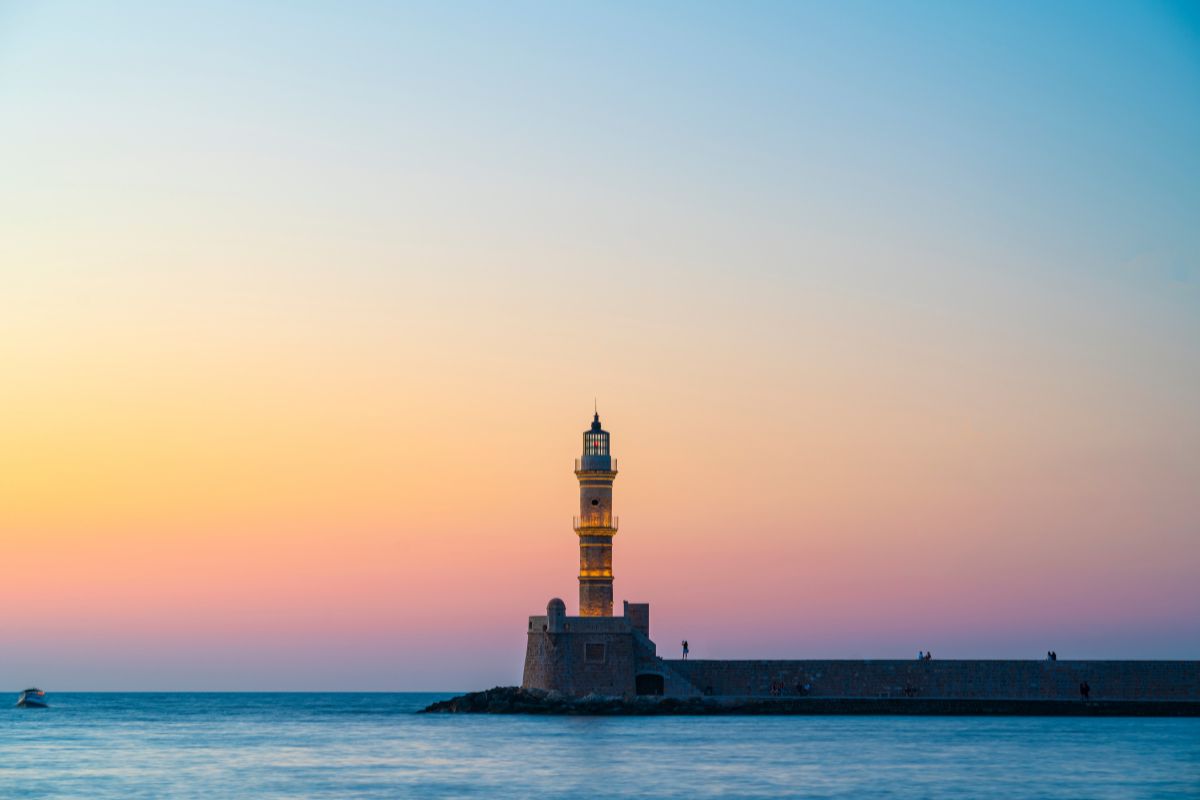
x=595 y=524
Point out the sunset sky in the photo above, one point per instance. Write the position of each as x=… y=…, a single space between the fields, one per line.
x=892 y=309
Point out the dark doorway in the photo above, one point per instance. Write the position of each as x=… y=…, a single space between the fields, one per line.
x=649 y=684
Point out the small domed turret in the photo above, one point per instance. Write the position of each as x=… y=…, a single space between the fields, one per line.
x=556 y=615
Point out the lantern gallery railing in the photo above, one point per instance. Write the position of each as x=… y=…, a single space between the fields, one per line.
x=579 y=465
x=595 y=522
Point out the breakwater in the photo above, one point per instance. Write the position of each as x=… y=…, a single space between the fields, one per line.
x=958 y=679
x=514 y=700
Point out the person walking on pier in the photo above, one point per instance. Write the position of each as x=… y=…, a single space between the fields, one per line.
x=685 y=649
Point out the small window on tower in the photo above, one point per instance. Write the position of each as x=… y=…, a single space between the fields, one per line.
x=593 y=653
x=595 y=502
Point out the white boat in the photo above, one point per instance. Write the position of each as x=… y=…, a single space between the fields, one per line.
x=32 y=698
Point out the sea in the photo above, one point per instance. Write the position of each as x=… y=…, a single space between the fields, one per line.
x=376 y=745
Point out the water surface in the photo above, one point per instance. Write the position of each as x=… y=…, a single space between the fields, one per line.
x=99 y=745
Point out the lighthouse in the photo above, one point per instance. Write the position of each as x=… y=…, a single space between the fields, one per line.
x=596 y=526
x=595 y=652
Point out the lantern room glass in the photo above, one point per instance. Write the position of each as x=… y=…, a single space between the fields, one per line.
x=595 y=444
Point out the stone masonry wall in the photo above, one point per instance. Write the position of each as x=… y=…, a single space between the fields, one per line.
x=1032 y=680
x=604 y=655
x=564 y=662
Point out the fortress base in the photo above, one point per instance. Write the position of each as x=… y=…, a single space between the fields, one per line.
x=614 y=657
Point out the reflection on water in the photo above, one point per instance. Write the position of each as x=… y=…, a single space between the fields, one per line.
x=373 y=745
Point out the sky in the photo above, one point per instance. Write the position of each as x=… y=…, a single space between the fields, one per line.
x=892 y=309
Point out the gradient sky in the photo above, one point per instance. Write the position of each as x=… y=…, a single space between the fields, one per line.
x=893 y=310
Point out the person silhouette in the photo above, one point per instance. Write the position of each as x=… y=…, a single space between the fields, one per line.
x=685 y=649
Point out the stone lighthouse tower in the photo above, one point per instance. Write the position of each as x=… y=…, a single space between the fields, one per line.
x=595 y=525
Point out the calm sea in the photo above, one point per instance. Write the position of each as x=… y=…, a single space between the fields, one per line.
x=95 y=745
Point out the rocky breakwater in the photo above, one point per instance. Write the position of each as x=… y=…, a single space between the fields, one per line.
x=514 y=700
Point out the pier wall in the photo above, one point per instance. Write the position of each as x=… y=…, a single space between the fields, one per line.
x=614 y=657
x=989 y=680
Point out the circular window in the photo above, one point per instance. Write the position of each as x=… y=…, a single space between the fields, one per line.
x=595 y=502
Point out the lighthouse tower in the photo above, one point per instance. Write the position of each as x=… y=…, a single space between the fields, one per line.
x=595 y=525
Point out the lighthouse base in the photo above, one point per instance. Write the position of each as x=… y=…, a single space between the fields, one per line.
x=610 y=656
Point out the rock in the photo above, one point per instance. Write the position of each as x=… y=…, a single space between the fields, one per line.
x=514 y=700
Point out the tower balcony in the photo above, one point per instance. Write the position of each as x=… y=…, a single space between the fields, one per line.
x=596 y=524
x=596 y=464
